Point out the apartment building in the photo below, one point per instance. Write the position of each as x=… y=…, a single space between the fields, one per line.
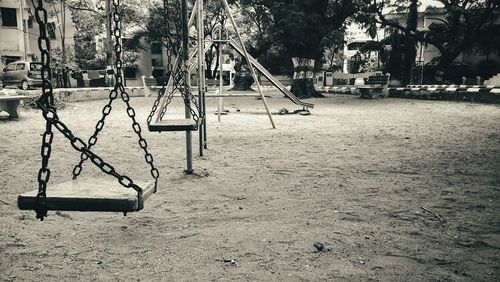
x=19 y=31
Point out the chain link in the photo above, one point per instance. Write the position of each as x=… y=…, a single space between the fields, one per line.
x=98 y=127
x=46 y=104
x=124 y=95
x=177 y=74
x=47 y=100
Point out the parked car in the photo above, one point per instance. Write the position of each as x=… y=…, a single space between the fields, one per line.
x=22 y=74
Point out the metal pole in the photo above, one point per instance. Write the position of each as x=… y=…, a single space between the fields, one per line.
x=25 y=31
x=219 y=107
x=63 y=39
x=187 y=84
x=201 y=74
x=109 y=48
x=421 y=63
x=247 y=57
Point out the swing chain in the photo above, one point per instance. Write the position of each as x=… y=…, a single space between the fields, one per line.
x=124 y=95
x=178 y=74
x=168 y=39
x=46 y=100
x=187 y=95
x=167 y=102
x=98 y=127
x=156 y=104
x=163 y=89
x=112 y=96
x=176 y=77
x=78 y=144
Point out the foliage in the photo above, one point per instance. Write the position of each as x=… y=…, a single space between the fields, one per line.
x=467 y=25
x=301 y=28
x=90 y=19
x=163 y=27
x=89 y=23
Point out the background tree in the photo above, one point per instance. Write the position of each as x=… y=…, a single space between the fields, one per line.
x=89 y=22
x=301 y=27
x=164 y=27
x=466 y=26
x=333 y=56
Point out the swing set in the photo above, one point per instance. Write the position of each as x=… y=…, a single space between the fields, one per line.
x=90 y=194
x=101 y=194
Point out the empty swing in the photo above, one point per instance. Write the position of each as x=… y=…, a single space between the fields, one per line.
x=90 y=194
x=178 y=81
x=191 y=122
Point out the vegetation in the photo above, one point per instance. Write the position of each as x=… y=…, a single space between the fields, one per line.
x=297 y=37
x=467 y=26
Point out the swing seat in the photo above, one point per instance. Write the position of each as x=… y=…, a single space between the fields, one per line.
x=99 y=194
x=174 y=125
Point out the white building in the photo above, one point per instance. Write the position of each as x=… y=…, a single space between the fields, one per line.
x=19 y=31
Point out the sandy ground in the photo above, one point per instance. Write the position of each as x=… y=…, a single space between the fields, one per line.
x=353 y=176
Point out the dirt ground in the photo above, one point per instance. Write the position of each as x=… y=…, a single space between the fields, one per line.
x=368 y=179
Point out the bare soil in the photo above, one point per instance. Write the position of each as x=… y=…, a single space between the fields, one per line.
x=378 y=190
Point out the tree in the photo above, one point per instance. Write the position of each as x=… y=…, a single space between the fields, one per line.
x=301 y=28
x=333 y=55
x=89 y=23
x=164 y=27
x=466 y=25
x=90 y=19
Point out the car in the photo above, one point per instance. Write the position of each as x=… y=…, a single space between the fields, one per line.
x=24 y=75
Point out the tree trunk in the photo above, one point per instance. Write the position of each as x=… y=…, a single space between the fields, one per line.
x=243 y=81
x=302 y=82
x=410 y=44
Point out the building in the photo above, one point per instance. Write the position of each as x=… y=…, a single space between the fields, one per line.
x=467 y=63
x=19 y=31
x=356 y=36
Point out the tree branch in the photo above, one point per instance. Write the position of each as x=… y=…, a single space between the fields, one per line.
x=84 y=9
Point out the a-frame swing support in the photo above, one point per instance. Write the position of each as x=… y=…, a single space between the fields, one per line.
x=185 y=66
x=249 y=63
x=201 y=76
x=198 y=9
x=185 y=62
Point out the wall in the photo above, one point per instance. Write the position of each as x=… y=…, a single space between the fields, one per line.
x=12 y=41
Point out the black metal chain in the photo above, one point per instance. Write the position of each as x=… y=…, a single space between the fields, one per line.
x=163 y=89
x=46 y=102
x=112 y=96
x=117 y=32
x=178 y=76
x=98 y=127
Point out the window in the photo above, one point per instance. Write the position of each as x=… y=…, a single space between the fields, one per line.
x=20 y=67
x=9 y=17
x=156 y=48
x=156 y=62
x=51 y=30
x=158 y=72
x=10 y=59
x=30 y=21
x=10 y=67
x=130 y=72
x=36 y=66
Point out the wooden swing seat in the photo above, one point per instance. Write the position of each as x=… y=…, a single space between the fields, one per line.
x=99 y=194
x=174 y=125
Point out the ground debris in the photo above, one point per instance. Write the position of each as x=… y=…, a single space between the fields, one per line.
x=231 y=262
x=63 y=215
x=320 y=247
x=443 y=221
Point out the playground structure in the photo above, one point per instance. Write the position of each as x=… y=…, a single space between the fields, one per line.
x=179 y=80
x=98 y=194
x=91 y=194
